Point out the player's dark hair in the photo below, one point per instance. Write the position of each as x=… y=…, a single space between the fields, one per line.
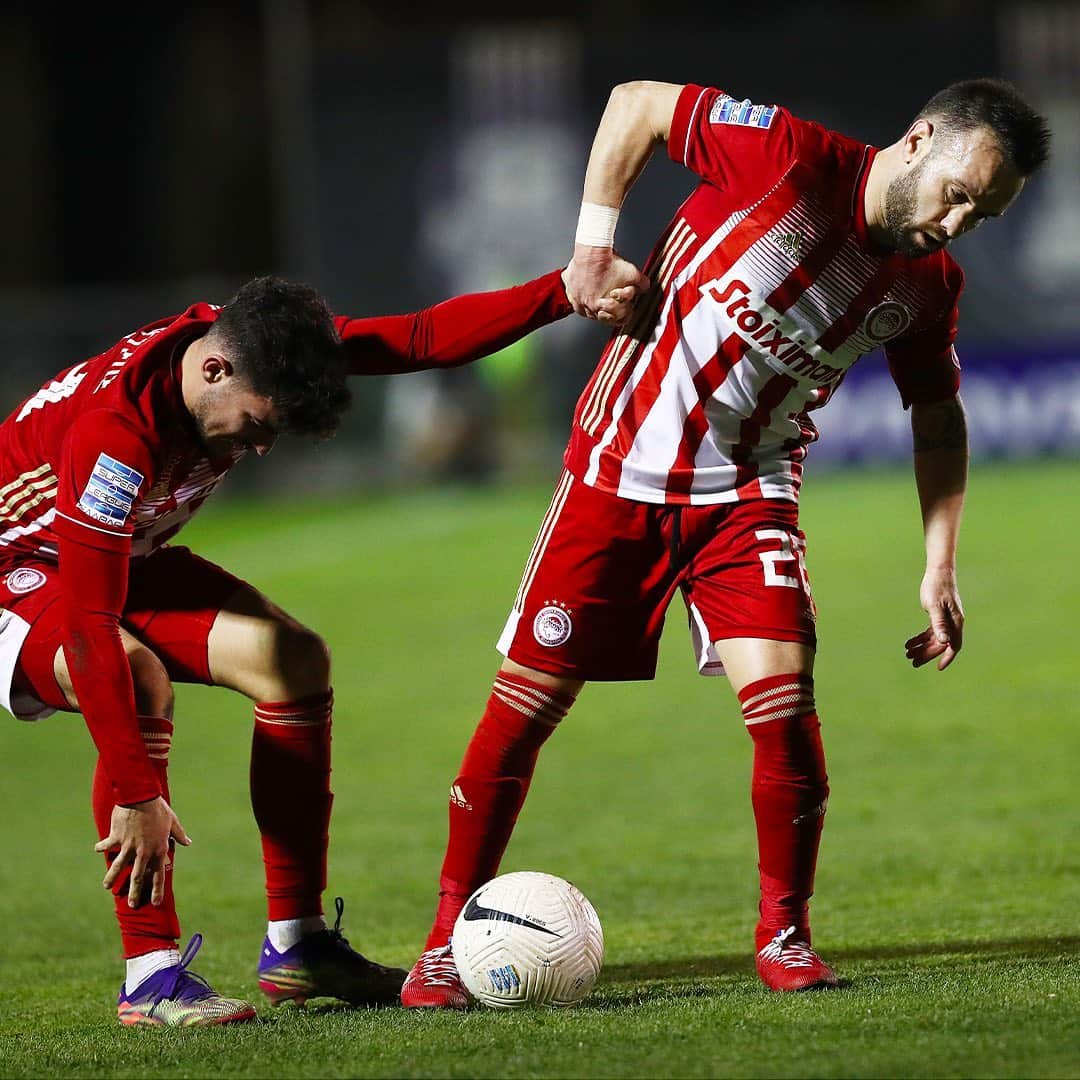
x=996 y=104
x=282 y=338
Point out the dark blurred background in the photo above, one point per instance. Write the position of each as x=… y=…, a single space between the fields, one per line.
x=158 y=156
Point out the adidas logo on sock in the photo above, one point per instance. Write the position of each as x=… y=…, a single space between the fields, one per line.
x=457 y=797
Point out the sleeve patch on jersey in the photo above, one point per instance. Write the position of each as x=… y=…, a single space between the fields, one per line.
x=726 y=110
x=111 y=491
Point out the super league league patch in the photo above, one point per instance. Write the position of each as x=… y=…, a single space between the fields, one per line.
x=726 y=110
x=111 y=491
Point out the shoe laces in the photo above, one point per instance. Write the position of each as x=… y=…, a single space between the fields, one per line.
x=436 y=967
x=335 y=932
x=185 y=985
x=790 y=954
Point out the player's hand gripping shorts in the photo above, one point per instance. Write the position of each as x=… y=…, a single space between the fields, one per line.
x=603 y=570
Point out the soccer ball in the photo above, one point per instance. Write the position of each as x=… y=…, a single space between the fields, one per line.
x=528 y=939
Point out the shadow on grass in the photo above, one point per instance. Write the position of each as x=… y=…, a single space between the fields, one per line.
x=743 y=963
x=626 y=985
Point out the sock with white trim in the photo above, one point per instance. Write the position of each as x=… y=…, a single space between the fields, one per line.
x=140 y=968
x=285 y=933
x=487 y=795
x=291 y=797
x=789 y=791
x=145 y=929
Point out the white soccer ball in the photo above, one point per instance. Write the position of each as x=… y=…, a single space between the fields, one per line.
x=528 y=938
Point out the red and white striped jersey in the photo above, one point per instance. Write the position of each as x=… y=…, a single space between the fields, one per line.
x=765 y=289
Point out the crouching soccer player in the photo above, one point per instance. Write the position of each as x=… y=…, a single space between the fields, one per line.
x=99 y=469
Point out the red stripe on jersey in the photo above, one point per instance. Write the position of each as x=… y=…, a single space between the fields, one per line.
x=670 y=255
x=772 y=207
x=769 y=397
x=870 y=294
x=641 y=401
x=806 y=272
x=707 y=381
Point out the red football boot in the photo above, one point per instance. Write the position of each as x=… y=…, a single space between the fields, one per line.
x=788 y=963
x=434 y=982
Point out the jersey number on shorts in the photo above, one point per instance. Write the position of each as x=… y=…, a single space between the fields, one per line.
x=792 y=550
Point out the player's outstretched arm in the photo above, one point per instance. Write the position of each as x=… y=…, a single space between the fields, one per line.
x=454 y=332
x=469 y=327
x=939 y=433
x=635 y=120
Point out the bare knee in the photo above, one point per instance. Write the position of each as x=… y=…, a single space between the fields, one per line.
x=153 y=688
x=285 y=661
x=560 y=683
x=303 y=660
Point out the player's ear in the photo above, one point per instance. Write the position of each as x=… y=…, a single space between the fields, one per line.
x=216 y=368
x=917 y=140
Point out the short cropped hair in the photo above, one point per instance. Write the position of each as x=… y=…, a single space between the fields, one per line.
x=281 y=337
x=995 y=104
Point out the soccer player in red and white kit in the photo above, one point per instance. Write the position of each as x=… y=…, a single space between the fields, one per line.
x=99 y=612
x=799 y=251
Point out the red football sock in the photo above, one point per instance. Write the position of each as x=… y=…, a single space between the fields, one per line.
x=146 y=928
x=487 y=796
x=291 y=797
x=789 y=791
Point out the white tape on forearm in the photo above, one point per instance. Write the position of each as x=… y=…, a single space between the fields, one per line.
x=596 y=225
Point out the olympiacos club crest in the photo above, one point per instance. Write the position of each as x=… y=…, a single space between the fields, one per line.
x=25 y=579
x=885 y=321
x=552 y=626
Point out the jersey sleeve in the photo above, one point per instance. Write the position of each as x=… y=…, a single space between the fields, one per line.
x=104 y=466
x=452 y=333
x=735 y=145
x=924 y=364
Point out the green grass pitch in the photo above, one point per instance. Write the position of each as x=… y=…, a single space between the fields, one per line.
x=948 y=882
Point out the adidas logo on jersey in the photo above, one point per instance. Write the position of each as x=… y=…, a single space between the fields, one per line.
x=789 y=242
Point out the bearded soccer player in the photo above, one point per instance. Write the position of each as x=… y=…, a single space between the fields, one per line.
x=799 y=251
x=99 y=613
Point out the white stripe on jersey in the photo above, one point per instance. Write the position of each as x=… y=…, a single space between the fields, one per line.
x=10 y=536
x=10 y=492
x=682 y=237
x=599 y=403
x=678 y=242
x=16 y=509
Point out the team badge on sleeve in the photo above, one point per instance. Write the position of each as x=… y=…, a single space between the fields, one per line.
x=111 y=491
x=726 y=110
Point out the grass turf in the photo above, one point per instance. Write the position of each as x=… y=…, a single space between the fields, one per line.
x=947 y=885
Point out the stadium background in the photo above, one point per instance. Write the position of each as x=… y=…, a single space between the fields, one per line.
x=393 y=158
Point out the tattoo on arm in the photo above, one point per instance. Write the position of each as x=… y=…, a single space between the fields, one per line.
x=939 y=426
